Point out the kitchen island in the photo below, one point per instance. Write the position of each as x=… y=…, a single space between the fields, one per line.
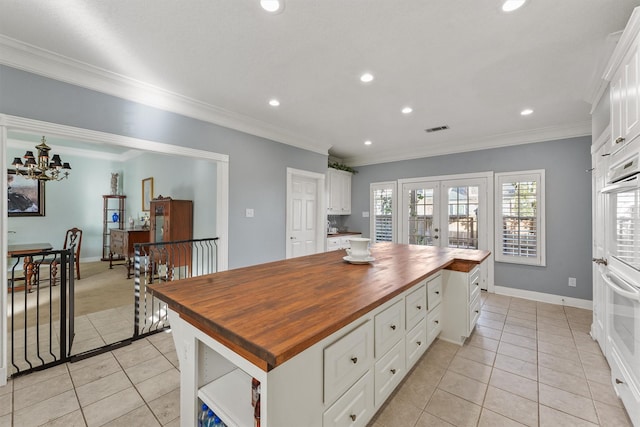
x=327 y=340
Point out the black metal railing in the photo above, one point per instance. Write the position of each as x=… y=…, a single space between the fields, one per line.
x=166 y=261
x=41 y=309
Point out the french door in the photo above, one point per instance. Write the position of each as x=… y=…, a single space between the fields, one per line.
x=446 y=213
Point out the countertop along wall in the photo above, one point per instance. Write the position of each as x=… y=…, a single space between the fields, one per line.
x=568 y=206
x=257 y=166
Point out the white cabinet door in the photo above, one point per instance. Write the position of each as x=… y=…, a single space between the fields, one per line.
x=338 y=192
x=625 y=100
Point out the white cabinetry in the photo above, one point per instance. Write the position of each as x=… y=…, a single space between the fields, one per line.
x=338 y=192
x=340 y=242
x=624 y=73
x=461 y=301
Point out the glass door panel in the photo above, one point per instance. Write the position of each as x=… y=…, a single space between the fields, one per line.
x=421 y=214
x=462 y=212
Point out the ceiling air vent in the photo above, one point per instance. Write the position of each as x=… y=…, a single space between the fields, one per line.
x=437 y=129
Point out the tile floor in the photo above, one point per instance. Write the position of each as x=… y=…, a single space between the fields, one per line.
x=526 y=363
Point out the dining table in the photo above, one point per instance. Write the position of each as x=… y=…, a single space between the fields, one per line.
x=27 y=250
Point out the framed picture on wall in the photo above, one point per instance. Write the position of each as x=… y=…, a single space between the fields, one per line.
x=25 y=196
x=147 y=193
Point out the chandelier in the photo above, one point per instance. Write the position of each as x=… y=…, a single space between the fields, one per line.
x=40 y=168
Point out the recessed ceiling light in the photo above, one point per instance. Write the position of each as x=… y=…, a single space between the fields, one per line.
x=407 y=110
x=274 y=102
x=367 y=142
x=511 y=5
x=272 y=6
x=366 y=78
x=526 y=112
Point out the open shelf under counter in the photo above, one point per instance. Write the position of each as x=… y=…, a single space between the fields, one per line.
x=226 y=397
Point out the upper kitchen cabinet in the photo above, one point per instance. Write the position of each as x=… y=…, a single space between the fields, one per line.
x=338 y=192
x=623 y=71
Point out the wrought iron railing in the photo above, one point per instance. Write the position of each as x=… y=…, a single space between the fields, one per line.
x=41 y=309
x=166 y=261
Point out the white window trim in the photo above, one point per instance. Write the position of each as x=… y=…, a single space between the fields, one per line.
x=537 y=175
x=387 y=185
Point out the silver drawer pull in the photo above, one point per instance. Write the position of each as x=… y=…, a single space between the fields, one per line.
x=353 y=417
x=393 y=327
x=354 y=360
x=619 y=139
x=618 y=381
x=393 y=371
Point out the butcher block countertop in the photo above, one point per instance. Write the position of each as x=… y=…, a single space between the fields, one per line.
x=269 y=313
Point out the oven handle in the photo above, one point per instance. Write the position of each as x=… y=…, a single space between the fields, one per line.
x=633 y=294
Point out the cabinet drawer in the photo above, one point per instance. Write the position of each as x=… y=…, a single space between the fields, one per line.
x=416 y=306
x=389 y=372
x=354 y=408
x=434 y=292
x=346 y=360
x=416 y=342
x=345 y=242
x=434 y=324
x=474 y=313
x=624 y=387
x=388 y=325
x=474 y=283
x=333 y=243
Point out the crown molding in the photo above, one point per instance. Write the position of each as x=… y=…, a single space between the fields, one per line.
x=16 y=54
x=38 y=127
x=496 y=141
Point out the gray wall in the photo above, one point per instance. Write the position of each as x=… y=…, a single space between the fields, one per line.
x=568 y=206
x=257 y=167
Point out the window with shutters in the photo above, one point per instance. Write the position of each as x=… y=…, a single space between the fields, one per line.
x=382 y=214
x=520 y=217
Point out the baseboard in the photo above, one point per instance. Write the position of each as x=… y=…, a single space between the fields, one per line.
x=542 y=297
x=3 y=376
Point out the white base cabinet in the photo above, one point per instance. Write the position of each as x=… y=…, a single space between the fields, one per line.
x=461 y=304
x=341 y=380
x=340 y=242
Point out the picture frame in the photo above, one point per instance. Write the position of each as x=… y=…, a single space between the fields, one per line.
x=147 y=193
x=25 y=195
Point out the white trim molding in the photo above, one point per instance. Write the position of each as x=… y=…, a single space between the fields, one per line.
x=26 y=57
x=544 y=297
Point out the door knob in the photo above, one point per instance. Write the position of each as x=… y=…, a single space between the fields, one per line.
x=619 y=139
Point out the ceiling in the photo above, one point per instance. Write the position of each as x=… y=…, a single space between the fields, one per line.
x=461 y=63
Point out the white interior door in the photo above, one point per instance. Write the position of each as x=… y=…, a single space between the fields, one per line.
x=304 y=195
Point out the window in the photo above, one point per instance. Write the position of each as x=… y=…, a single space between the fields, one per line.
x=520 y=217
x=383 y=207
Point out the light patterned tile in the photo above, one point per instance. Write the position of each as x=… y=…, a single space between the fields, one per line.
x=524 y=315
x=567 y=382
x=102 y=388
x=73 y=419
x=139 y=417
x=453 y=409
x=48 y=410
x=604 y=393
x=570 y=403
x=494 y=324
x=519 y=340
x=515 y=384
x=517 y=366
x=148 y=369
x=41 y=391
x=477 y=354
x=114 y=406
x=518 y=352
x=488 y=332
x=486 y=343
x=517 y=408
x=612 y=416
x=567 y=351
x=493 y=419
x=550 y=417
x=520 y=330
x=159 y=385
x=559 y=364
x=428 y=420
x=93 y=372
x=493 y=316
x=398 y=412
x=471 y=369
x=464 y=387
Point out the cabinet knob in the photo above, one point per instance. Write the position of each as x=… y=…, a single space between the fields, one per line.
x=619 y=381
x=354 y=360
x=419 y=307
x=436 y=237
x=477 y=283
x=419 y=343
x=436 y=321
x=620 y=139
x=393 y=371
x=353 y=417
x=477 y=311
x=393 y=327
x=437 y=292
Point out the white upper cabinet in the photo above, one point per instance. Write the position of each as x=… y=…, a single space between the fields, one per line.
x=338 y=192
x=624 y=73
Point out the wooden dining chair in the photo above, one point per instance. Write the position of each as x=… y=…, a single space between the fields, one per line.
x=74 y=237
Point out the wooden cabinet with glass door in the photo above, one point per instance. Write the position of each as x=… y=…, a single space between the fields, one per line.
x=171 y=221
